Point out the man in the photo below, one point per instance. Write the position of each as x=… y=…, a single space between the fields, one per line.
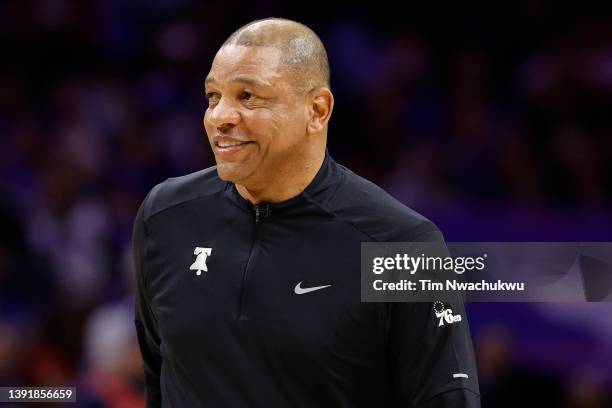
x=249 y=274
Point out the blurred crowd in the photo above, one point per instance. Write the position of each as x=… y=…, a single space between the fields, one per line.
x=491 y=123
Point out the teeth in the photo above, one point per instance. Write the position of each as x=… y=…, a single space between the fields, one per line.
x=228 y=143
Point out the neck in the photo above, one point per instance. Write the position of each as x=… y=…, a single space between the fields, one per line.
x=286 y=184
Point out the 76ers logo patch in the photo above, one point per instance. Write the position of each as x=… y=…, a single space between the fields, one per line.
x=445 y=315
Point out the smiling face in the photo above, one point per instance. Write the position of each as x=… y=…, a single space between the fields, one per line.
x=256 y=122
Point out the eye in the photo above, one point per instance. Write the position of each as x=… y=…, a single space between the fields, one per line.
x=245 y=96
x=212 y=98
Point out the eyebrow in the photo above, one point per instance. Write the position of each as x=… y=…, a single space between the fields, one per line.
x=242 y=79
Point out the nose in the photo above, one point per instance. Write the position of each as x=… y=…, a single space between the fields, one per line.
x=224 y=114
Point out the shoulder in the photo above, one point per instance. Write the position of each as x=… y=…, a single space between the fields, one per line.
x=377 y=214
x=178 y=190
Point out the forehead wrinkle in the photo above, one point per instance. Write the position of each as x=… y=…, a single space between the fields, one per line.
x=248 y=80
x=243 y=79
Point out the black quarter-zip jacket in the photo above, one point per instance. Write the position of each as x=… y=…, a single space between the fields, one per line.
x=259 y=306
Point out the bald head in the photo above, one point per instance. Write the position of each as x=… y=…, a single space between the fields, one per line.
x=303 y=56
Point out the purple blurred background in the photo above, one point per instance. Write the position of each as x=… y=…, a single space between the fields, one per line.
x=494 y=123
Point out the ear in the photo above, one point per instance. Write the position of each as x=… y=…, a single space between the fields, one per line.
x=320 y=106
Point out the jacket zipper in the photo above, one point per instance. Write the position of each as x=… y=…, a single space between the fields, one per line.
x=259 y=212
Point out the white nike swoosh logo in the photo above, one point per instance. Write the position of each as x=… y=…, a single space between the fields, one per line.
x=299 y=290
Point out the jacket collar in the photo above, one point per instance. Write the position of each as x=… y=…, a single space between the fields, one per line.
x=319 y=188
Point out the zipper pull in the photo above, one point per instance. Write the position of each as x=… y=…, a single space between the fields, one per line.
x=261 y=211
x=257 y=210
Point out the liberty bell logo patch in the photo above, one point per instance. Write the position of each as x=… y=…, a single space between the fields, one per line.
x=200 y=263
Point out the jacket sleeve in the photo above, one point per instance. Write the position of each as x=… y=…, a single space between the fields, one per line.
x=145 y=320
x=431 y=361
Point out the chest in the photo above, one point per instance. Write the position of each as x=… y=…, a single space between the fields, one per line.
x=284 y=282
